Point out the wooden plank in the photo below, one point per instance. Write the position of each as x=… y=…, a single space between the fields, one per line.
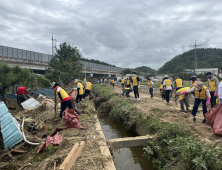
x=72 y=156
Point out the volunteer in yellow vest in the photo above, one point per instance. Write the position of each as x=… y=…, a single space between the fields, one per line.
x=193 y=82
x=63 y=97
x=88 y=86
x=105 y=80
x=127 y=91
x=122 y=82
x=112 y=82
x=213 y=83
x=220 y=88
x=136 y=85
x=150 y=86
x=202 y=94
x=183 y=98
x=167 y=84
x=163 y=92
x=79 y=90
x=128 y=82
x=178 y=83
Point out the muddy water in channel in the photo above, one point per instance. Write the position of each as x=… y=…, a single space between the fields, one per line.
x=125 y=158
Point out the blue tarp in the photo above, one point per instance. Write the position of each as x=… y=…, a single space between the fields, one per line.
x=45 y=91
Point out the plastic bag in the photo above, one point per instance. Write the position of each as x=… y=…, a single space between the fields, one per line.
x=214 y=119
x=72 y=94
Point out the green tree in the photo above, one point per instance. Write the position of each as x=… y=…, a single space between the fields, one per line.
x=11 y=76
x=127 y=71
x=65 y=65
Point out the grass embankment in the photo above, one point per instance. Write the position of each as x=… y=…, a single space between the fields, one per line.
x=174 y=145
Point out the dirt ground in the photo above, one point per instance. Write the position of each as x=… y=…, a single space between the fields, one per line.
x=171 y=113
x=41 y=122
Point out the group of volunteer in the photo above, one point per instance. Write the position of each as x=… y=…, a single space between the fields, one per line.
x=134 y=83
x=202 y=94
x=65 y=99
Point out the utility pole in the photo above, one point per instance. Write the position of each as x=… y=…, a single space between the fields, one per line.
x=52 y=44
x=195 y=59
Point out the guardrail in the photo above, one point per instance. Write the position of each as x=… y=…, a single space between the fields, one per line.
x=35 y=56
x=24 y=54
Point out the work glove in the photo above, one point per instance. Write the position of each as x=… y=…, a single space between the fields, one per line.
x=138 y=86
x=185 y=92
x=162 y=90
x=215 y=94
x=208 y=101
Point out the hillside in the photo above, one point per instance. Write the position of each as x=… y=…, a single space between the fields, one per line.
x=96 y=61
x=139 y=70
x=206 y=58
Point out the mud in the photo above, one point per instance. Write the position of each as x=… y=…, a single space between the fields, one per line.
x=41 y=122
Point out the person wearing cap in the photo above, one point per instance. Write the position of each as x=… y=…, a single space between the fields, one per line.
x=128 y=83
x=63 y=97
x=150 y=87
x=163 y=92
x=167 y=84
x=193 y=82
x=178 y=84
x=183 y=98
x=220 y=88
x=136 y=85
x=88 y=86
x=122 y=82
x=21 y=95
x=202 y=94
x=79 y=90
x=213 y=83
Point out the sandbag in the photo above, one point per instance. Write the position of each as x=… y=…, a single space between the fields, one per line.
x=71 y=119
x=214 y=119
x=72 y=94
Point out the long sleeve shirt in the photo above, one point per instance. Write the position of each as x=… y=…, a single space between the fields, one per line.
x=169 y=87
x=192 y=90
x=216 y=81
x=151 y=83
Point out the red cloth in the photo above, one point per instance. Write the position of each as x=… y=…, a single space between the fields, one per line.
x=214 y=119
x=71 y=121
x=55 y=140
x=21 y=90
x=72 y=95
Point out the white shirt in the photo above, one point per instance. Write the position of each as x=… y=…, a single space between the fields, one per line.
x=192 y=90
x=220 y=90
x=169 y=87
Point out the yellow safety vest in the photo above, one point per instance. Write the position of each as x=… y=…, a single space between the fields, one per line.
x=179 y=83
x=122 y=81
x=193 y=83
x=150 y=84
x=126 y=89
x=161 y=86
x=61 y=94
x=201 y=95
x=212 y=85
x=135 y=82
x=80 y=90
x=168 y=83
x=112 y=81
x=105 y=79
x=181 y=97
x=88 y=86
x=128 y=82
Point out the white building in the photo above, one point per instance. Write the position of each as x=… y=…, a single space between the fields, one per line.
x=203 y=70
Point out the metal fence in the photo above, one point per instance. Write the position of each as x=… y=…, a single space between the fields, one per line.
x=35 y=56
x=24 y=54
x=101 y=67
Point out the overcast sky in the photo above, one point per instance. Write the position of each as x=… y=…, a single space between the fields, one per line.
x=126 y=33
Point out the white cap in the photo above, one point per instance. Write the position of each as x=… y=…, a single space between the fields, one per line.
x=76 y=81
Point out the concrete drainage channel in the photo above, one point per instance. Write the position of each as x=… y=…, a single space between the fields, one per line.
x=127 y=149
